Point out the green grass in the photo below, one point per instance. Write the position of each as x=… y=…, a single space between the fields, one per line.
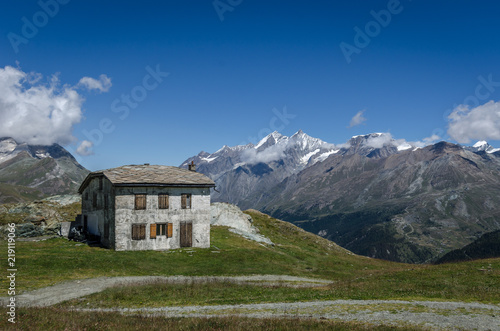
x=296 y=253
x=57 y=319
x=464 y=282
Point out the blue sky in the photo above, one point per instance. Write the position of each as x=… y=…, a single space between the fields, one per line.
x=159 y=81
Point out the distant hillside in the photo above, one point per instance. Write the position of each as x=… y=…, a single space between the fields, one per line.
x=488 y=246
x=29 y=172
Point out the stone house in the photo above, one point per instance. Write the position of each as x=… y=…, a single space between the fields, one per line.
x=147 y=207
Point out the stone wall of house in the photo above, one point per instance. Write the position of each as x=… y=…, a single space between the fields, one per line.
x=98 y=208
x=126 y=216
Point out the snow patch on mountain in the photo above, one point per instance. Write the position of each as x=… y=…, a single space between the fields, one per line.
x=325 y=155
x=209 y=159
x=305 y=159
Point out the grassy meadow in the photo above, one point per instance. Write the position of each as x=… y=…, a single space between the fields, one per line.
x=296 y=253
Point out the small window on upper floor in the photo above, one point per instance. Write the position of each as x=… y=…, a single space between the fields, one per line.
x=100 y=183
x=140 y=201
x=94 y=200
x=186 y=201
x=163 y=202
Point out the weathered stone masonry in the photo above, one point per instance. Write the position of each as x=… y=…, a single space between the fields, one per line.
x=147 y=207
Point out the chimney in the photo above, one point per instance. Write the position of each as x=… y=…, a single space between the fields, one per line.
x=192 y=166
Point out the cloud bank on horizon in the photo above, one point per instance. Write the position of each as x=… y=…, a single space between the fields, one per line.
x=39 y=113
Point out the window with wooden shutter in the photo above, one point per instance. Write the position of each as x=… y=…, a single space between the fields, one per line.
x=161 y=229
x=169 y=230
x=152 y=231
x=140 y=201
x=163 y=201
x=186 y=201
x=138 y=231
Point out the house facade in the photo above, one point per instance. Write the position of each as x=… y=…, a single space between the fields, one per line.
x=147 y=207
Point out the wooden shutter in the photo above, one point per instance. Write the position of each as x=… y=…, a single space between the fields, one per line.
x=169 y=230
x=138 y=231
x=152 y=231
x=140 y=201
x=163 y=202
x=183 y=201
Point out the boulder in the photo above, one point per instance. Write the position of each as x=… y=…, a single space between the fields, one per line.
x=240 y=223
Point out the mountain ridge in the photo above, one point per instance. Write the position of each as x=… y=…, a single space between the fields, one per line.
x=375 y=195
x=29 y=172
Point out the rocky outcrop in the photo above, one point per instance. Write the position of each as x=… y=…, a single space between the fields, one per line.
x=229 y=215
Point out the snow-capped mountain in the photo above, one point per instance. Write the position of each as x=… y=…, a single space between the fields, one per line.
x=35 y=171
x=483 y=146
x=9 y=149
x=244 y=170
x=296 y=151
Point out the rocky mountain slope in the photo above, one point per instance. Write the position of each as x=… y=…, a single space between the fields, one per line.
x=374 y=195
x=487 y=246
x=29 y=172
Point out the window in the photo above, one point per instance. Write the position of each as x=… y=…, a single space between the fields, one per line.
x=106 y=202
x=160 y=229
x=140 y=201
x=186 y=201
x=100 y=183
x=94 y=200
x=138 y=231
x=163 y=201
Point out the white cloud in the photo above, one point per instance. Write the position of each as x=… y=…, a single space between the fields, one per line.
x=380 y=141
x=431 y=140
x=272 y=153
x=102 y=84
x=386 y=139
x=357 y=119
x=480 y=123
x=35 y=112
x=85 y=148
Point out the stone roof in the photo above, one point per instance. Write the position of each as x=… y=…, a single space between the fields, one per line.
x=151 y=175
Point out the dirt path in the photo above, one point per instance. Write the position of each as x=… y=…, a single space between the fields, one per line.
x=52 y=295
x=426 y=314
